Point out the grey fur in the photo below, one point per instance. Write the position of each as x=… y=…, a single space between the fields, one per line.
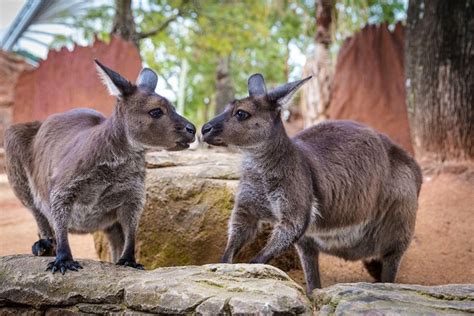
x=80 y=172
x=338 y=187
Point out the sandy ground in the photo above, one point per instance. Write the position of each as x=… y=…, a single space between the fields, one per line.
x=441 y=252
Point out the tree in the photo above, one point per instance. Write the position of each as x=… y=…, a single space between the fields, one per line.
x=317 y=93
x=124 y=23
x=440 y=78
x=224 y=85
x=125 y=27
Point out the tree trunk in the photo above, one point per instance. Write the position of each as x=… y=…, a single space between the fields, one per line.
x=440 y=78
x=124 y=24
x=224 y=86
x=317 y=93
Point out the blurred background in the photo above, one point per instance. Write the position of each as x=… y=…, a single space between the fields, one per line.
x=404 y=67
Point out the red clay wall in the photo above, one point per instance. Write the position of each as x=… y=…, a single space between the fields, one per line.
x=68 y=79
x=11 y=66
x=369 y=82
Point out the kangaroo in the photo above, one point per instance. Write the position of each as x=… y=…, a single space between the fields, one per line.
x=338 y=187
x=80 y=172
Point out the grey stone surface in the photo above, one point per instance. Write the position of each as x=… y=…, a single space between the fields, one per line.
x=105 y=288
x=394 y=299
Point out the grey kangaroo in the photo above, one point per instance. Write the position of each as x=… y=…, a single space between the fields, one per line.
x=338 y=187
x=80 y=172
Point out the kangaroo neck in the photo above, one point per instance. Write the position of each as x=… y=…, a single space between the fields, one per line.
x=117 y=138
x=274 y=153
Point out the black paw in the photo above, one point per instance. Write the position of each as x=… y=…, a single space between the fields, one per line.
x=63 y=266
x=374 y=267
x=130 y=263
x=43 y=247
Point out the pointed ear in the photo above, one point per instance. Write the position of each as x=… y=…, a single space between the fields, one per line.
x=283 y=94
x=116 y=84
x=256 y=85
x=147 y=79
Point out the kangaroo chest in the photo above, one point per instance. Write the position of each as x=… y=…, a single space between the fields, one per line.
x=99 y=200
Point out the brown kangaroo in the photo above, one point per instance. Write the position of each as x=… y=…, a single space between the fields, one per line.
x=338 y=187
x=80 y=172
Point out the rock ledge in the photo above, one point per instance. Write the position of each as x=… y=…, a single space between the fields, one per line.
x=103 y=288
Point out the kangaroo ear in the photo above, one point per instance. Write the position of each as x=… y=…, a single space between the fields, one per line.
x=116 y=84
x=283 y=94
x=256 y=85
x=147 y=79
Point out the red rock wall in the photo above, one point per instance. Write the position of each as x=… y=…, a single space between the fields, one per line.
x=11 y=66
x=369 y=82
x=68 y=79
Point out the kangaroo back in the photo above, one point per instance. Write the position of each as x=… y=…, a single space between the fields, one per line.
x=18 y=155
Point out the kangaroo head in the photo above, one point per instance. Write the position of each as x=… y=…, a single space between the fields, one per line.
x=149 y=119
x=252 y=120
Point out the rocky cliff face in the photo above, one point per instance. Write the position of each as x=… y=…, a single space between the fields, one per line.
x=104 y=288
x=190 y=196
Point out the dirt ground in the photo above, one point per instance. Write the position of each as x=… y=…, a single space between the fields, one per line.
x=441 y=252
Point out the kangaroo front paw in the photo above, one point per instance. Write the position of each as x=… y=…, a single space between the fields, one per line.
x=43 y=247
x=130 y=263
x=63 y=265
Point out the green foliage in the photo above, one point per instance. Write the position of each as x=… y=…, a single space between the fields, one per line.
x=258 y=36
x=352 y=15
x=255 y=34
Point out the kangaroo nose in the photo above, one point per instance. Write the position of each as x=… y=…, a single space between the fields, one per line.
x=206 y=129
x=190 y=129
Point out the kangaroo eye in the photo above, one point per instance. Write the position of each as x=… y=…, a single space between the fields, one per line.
x=156 y=113
x=242 y=115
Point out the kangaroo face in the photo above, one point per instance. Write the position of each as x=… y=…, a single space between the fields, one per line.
x=248 y=122
x=153 y=122
x=149 y=119
x=244 y=123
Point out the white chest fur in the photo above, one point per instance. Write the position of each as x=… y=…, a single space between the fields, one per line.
x=337 y=238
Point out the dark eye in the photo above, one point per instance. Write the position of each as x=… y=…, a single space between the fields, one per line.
x=156 y=113
x=242 y=115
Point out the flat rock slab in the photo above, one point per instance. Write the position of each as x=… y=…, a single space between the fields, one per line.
x=106 y=288
x=394 y=299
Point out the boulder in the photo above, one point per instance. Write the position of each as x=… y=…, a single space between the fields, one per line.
x=394 y=299
x=102 y=288
x=190 y=196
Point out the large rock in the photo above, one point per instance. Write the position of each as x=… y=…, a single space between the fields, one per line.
x=190 y=196
x=394 y=299
x=104 y=288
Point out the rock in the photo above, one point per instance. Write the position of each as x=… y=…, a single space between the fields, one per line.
x=394 y=299
x=190 y=196
x=106 y=288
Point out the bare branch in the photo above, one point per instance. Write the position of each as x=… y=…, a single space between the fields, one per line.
x=160 y=28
